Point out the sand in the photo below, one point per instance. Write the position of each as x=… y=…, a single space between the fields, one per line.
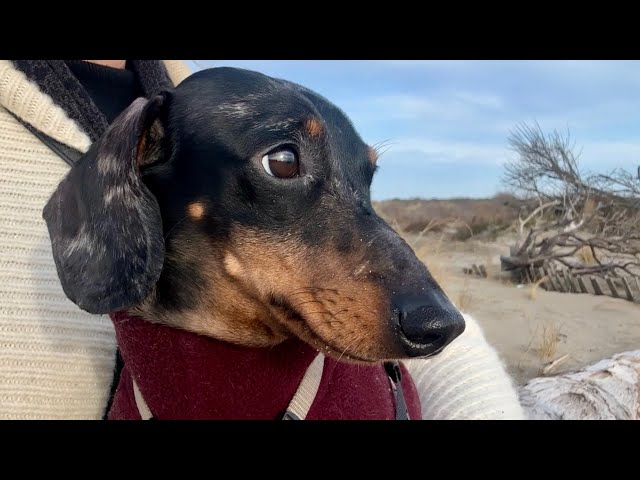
x=530 y=331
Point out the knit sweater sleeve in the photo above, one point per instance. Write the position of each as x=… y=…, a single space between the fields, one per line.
x=177 y=70
x=467 y=381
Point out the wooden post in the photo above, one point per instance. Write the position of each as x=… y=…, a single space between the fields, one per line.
x=555 y=279
x=551 y=283
x=565 y=280
x=627 y=289
x=575 y=283
x=559 y=276
x=546 y=284
x=596 y=286
x=612 y=287
x=483 y=271
x=583 y=287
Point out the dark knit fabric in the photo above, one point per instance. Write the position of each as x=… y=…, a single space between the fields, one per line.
x=186 y=376
x=56 y=79
x=112 y=90
x=152 y=74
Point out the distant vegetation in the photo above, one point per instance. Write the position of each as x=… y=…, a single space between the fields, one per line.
x=460 y=217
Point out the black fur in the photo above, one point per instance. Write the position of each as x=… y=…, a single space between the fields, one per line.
x=104 y=224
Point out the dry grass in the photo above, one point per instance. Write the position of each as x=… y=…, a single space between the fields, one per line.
x=544 y=337
x=436 y=262
x=547 y=344
x=534 y=287
x=464 y=298
x=585 y=255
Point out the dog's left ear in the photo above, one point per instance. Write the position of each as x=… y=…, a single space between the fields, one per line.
x=104 y=223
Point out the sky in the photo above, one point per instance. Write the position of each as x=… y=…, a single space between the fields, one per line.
x=446 y=123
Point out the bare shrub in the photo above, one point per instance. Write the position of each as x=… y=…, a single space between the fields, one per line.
x=567 y=212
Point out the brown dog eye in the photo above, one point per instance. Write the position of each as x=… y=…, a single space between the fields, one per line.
x=281 y=163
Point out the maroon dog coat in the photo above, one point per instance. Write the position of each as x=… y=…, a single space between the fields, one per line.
x=182 y=375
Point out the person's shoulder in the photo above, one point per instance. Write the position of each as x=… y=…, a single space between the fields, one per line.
x=178 y=70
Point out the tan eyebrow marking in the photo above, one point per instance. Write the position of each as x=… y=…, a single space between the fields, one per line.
x=373 y=156
x=313 y=127
x=196 y=210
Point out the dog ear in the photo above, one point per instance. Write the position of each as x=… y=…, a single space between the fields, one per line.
x=104 y=223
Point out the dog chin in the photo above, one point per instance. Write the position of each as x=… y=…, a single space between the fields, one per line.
x=341 y=354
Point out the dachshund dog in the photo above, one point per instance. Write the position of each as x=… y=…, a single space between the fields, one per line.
x=237 y=207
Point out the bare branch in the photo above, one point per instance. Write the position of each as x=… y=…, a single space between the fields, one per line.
x=572 y=211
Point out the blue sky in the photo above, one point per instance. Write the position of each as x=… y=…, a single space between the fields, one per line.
x=447 y=122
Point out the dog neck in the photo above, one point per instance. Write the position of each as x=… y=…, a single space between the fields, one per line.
x=183 y=375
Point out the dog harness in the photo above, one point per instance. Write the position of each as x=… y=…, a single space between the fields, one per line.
x=305 y=395
x=170 y=373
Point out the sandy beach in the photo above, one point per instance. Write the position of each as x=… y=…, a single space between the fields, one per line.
x=529 y=329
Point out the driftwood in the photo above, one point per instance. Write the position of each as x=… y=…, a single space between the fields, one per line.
x=549 y=368
x=589 y=224
x=607 y=390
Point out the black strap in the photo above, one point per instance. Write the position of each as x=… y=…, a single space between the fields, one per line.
x=71 y=156
x=67 y=153
x=395 y=378
x=117 y=371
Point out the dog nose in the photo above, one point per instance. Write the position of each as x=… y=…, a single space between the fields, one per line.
x=427 y=323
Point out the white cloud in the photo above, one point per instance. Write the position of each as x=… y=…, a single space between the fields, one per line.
x=446 y=152
x=596 y=156
x=480 y=99
x=440 y=106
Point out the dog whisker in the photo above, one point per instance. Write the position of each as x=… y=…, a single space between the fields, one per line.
x=173 y=228
x=321 y=312
x=329 y=322
x=378 y=145
x=347 y=348
x=308 y=290
x=341 y=311
x=306 y=302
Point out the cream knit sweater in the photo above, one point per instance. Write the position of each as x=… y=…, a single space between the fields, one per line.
x=56 y=361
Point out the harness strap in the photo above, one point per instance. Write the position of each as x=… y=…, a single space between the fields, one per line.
x=307 y=390
x=298 y=407
x=395 y=377
x=143 y=408
x=68 y=154
x=115 y=381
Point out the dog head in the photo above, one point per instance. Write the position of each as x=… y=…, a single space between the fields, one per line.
x=238 y=206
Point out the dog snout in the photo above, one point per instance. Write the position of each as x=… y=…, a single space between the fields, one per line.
x=426 y=323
